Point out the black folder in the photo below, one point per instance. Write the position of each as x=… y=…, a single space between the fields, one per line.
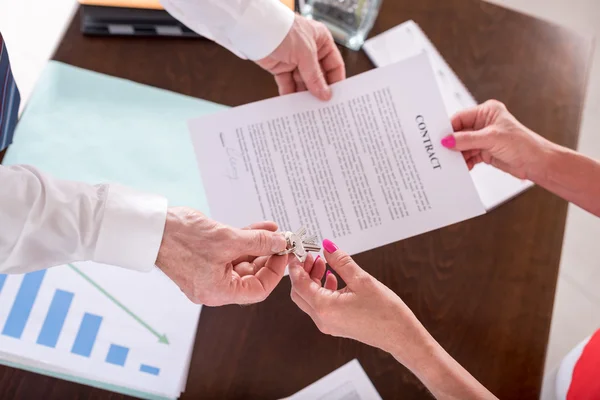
x=101 y=20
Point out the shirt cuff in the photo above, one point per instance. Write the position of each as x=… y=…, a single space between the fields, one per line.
x=131 y=230
x=262 y=28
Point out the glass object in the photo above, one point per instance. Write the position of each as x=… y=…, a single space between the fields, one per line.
x=348 y=20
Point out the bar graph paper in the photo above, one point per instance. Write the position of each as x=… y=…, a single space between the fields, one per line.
x=86 y=335
x=55 y=318
x=149 y=369
x=19 y=313
x=117 y=355
x=88 y=317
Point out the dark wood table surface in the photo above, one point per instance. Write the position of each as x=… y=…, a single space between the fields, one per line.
x=484 y=288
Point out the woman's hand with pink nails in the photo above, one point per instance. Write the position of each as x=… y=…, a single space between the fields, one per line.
x=364 y=310
x=367 y=311
x=489 y=133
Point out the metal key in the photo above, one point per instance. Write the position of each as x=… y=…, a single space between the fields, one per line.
x=300 y=245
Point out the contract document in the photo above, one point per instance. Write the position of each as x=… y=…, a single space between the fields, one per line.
x=364 y=169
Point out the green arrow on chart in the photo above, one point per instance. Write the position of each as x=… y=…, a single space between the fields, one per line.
x=161 y=338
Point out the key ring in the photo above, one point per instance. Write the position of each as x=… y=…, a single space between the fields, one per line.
x=297 y=244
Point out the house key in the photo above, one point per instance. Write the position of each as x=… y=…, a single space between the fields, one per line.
x=300 y=245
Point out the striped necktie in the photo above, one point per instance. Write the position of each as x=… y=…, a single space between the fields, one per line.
x=9 y=99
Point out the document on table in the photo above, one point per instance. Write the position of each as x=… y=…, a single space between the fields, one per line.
x=85 y=322
x=406 y=40
x=364 y=169
x=349 y=382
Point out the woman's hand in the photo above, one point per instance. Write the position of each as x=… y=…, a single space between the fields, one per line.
x=365 y=310
x=489 y=133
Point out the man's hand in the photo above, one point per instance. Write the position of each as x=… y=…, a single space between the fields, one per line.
x=307 y=59
x=215 y=264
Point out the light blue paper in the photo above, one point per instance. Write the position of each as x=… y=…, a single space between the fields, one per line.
x=90 y=127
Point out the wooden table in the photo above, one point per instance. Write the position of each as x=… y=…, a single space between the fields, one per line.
x=484 y=288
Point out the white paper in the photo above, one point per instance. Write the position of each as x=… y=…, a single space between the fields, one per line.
x=496 y=187
x=170 y=314
x=404 y=41
x=349 y=382
x=364 y=169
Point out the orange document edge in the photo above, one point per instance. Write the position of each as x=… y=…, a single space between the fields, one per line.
x=146 y=4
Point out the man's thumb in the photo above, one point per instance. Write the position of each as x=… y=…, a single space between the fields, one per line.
x=258 y=242
x=312 y=75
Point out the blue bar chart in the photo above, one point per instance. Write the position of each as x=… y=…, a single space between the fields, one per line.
x=56 y=315
x=86 y=336
x=55 y=319
x=21 y=309
x=117 y=355
x=149 y=369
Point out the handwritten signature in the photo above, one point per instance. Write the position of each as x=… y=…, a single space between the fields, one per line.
x=234 y=158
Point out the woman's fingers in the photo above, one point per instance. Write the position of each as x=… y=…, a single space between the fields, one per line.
x=342 y=263
x=302 y=283
x=470 y=153
x=309 y=264
x=465 y=119
x=318 y=269
x=331 y=282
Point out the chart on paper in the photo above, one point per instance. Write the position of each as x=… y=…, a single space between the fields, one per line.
x=100 y=323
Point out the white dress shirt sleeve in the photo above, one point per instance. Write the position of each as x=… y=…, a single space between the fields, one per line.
x=249 y=28
x=46 y=222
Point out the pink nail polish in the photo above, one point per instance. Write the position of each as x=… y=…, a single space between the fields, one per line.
x=328 y=273
x=449 y=142
x=317 y=259
x=329 y=246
